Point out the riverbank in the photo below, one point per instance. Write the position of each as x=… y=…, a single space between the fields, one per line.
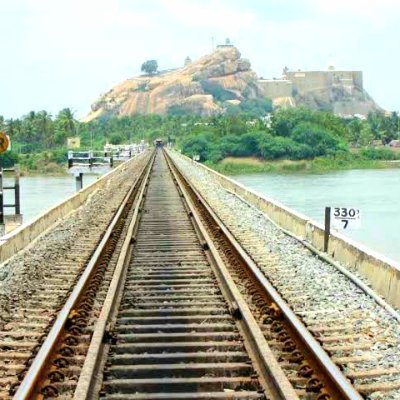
x=246 y=165
x=59 y=171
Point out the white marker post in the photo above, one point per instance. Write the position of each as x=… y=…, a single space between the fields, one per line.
x=340 y=218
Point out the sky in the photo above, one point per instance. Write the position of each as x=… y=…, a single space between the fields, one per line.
x=65 y=53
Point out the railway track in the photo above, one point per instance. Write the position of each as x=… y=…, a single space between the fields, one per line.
x=26 y=323
x=176 y=309
x=174 y=330
x=360 y=334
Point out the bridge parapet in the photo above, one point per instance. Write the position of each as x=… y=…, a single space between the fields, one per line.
x=21 y=237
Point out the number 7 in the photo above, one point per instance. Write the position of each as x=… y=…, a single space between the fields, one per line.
x=346 y=222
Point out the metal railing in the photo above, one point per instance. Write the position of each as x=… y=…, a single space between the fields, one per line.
x=15 y=187
x=90 y=158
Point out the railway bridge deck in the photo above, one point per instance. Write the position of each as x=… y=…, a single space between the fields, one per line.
x=163 y=281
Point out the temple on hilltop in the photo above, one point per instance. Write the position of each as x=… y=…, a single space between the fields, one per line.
x=227 y=44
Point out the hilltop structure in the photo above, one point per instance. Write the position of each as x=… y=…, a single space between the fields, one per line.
x=341 y=91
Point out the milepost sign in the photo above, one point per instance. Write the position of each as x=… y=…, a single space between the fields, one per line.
x=340 y=218
x=346 y=218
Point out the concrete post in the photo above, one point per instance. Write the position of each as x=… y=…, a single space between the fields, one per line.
x=17 y=191
x=2 y=222
x=70 y=159
x=79 y=181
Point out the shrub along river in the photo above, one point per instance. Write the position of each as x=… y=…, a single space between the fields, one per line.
x=375 y=192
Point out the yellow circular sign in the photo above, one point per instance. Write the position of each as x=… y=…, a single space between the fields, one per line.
x=4 y=142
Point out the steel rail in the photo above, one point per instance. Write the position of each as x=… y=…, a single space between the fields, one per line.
x=325 y=257
x=331 y=370
x=34 y=375
x=86 y=382
x=271 y=376
x=275 y=382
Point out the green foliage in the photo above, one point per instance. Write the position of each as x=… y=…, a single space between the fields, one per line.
x=39 y=139
x=217 y=91
x=273 y=148
x=116 y=138
x=197 y=145
x=8 y=159
x=178 y=110
x=319 y=140
x=149 y=67
x=254 y=108
x=59 y=155
x=383 y=127
x=379 y=154
x=38 y=131
x=285 y=120
x=142 y=88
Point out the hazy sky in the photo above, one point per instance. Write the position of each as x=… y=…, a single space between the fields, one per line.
x=64 y=53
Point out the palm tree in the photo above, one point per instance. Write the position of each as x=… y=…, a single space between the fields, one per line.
x=66 y=121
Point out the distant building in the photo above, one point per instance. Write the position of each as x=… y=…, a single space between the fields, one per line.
x=73 y=142
x=274 y=88
x=306 y=81
x=187 y=61
x=342 y=89
x=227 y=44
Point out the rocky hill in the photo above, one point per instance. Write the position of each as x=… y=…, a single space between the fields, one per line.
x=203 y=87
x=208 y=85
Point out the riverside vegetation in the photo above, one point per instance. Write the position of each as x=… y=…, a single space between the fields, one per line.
x=246 y=138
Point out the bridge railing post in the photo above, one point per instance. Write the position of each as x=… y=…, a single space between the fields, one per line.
x=70 y=159
x=91 y=159
x=17 y=197
x=79 y=181
x=327 y=232
x=2 y=223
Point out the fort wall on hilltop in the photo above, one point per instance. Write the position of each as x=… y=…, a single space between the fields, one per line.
x=339 y=91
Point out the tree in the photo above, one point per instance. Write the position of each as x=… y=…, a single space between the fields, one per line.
x=8 y=159
x=2 y=123
x=116 y=138
x=64 y=126
x=366 y=135
x=149 y=67
x=319 y=139
x=197 y=145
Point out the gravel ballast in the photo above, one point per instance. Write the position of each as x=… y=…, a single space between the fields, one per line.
x=73 y=238
x=359 y=334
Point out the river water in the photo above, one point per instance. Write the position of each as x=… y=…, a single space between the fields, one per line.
x=375 y=192
x=38 y=193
